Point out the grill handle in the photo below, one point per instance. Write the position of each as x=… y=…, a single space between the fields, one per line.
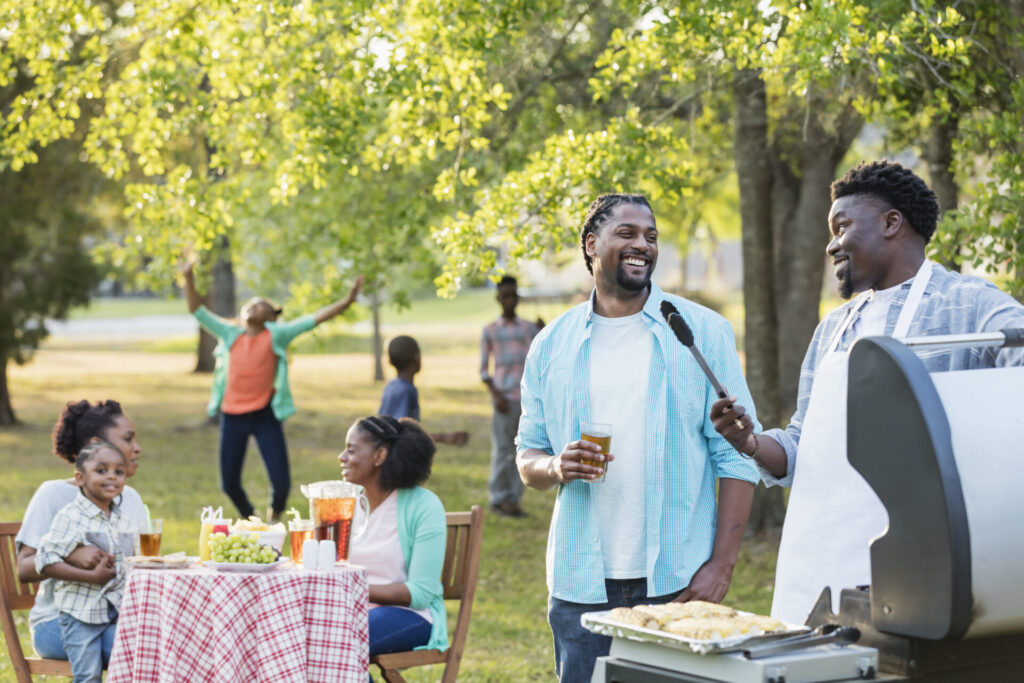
x=1001 y=339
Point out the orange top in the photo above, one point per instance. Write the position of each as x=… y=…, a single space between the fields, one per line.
x=251 y=373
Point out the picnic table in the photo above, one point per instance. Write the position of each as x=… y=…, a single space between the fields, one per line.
x=200 y=624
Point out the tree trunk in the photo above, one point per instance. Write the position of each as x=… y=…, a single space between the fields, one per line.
x=378 y=343
x=783 y=212
x=7 y=416
x=801 y=235
x=938 y=154
x=221 y=300
x=754 y=171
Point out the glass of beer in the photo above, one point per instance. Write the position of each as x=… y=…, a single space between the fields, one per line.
x=601 y=434
x=149 y=541
x=301 y=530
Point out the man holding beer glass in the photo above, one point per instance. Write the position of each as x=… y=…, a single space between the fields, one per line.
x=650 y=531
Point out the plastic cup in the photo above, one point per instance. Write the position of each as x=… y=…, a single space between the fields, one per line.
x=601 y=434
x=310 y=553
x=327 y=555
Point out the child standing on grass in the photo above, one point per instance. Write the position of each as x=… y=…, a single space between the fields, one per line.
x=401 y=398
x=250 y=387
x=87 y=600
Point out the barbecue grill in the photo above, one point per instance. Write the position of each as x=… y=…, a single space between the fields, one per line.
x=944 y=452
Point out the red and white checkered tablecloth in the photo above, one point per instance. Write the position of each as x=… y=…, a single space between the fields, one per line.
x=199 y=624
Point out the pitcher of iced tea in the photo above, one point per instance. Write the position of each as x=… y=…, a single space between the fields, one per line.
x=332 y=506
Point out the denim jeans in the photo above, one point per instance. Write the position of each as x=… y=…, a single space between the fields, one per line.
x=84 y=646
x=576 y=648
x=235 y=431
x=47 y=642
x=396 y=629
x=505 y=486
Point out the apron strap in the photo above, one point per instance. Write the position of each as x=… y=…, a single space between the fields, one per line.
x=924 y=274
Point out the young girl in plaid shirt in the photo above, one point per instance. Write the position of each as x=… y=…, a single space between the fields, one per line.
x=87 y=599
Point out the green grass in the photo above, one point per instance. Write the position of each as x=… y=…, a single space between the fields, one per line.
x=509 y=639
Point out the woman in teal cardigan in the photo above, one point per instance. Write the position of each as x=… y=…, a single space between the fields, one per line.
x=404 y=543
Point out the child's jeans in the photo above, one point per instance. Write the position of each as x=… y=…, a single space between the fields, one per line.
x=47 y=641
x=84 y=645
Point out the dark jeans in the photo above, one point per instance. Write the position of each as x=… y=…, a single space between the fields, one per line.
x=576 y=648
x=234 y=438
x=396 y=629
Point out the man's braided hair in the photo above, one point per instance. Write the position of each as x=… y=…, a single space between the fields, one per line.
x=897 y=185
x=600 y=210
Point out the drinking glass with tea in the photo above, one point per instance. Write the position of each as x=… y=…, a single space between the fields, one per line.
x=300 y=531
x=601 y=434
x=149 y=540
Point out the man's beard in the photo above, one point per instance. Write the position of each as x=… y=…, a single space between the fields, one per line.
x=846 y=284
x=632 y=284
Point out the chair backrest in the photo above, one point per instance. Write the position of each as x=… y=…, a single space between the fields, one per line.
x=14 y=595
x=461 y=566
x=19 y=595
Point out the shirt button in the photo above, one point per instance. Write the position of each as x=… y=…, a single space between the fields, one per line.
x=595 y=539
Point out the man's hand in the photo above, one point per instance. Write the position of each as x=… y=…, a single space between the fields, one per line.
x=103 y=572
x=86 y=557
x=710 y=583
x=569 y=464
x=731 y=421
x=500 y=402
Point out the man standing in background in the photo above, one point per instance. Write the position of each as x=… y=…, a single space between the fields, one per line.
x=507 y=340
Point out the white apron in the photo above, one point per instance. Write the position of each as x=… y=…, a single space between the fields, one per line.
x=833 y=514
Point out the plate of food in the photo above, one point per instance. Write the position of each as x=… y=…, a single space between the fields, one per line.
x=701 y=627
x=245 y=567
x=172 y=561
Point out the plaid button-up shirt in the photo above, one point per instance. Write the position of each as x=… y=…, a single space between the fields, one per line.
x=684 y=455
x=952 y=304
x=508 y=341
x=80 y=522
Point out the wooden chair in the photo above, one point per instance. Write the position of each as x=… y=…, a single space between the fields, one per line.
x=458 y=578
x=18 y=595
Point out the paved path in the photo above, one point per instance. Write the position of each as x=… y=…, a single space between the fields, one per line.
x=138 y=327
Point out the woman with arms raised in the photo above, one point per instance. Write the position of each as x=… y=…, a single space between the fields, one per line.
x=404 y=542
x=79 y=423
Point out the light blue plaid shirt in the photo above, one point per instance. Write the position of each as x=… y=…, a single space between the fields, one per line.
x=684 y=453
x=952 y=304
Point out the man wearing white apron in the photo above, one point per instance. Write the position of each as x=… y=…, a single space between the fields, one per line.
x=881 y=219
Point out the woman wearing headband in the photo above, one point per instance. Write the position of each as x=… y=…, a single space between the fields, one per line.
x=404 y=542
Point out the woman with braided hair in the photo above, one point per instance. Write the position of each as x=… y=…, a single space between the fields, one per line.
x=404 y=542
x=80 y=423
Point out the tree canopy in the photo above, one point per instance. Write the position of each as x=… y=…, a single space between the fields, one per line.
x=406 y=139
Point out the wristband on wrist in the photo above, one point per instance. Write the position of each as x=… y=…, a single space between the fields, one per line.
x=757 y=449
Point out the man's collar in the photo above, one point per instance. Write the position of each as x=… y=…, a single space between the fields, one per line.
x=651 y=306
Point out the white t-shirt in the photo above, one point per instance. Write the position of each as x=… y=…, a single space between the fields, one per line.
x=620 y=360
x=380 y=551
x=871 y=322
x=49 y=499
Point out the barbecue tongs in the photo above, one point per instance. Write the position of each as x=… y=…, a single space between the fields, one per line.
x=823 y=635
